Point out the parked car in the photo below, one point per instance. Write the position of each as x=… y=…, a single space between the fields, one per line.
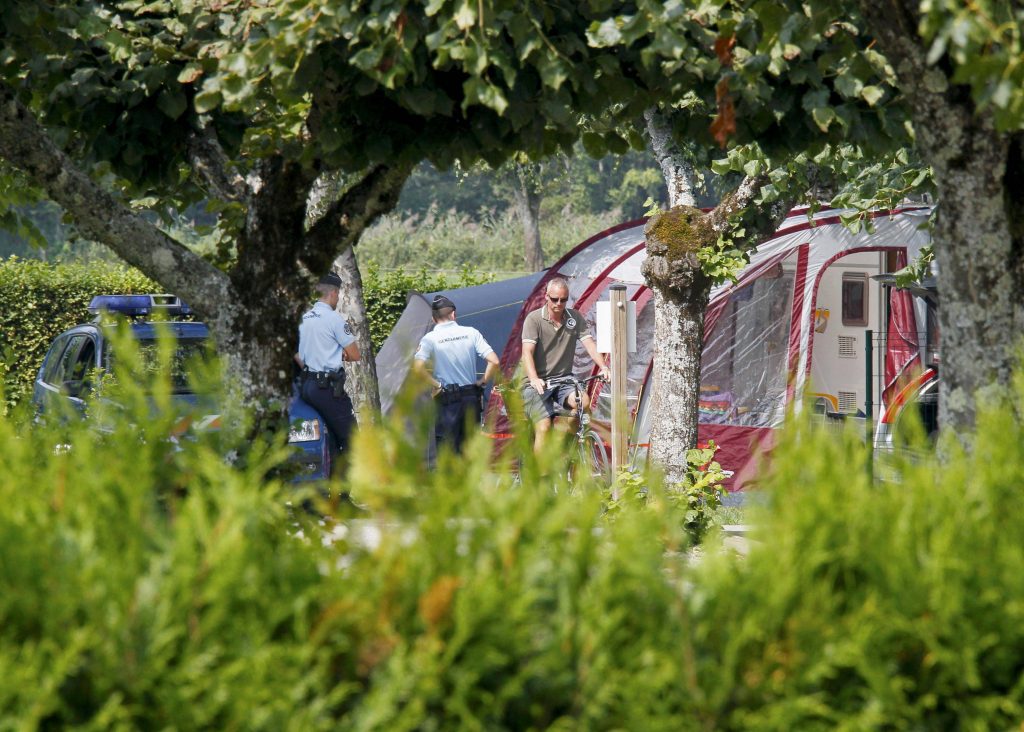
x=77 y=356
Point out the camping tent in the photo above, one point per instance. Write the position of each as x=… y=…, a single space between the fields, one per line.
x=794 y=324
x=491 y=308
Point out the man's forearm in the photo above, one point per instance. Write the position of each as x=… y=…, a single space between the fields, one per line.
x=591 y=349
x=529 y=366
x=491 y=370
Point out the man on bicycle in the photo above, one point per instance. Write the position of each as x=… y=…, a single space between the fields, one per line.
x=550 y=335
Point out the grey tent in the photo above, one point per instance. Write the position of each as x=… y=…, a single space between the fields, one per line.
x=491 y=308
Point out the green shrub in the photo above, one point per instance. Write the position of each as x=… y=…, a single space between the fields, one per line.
x=874 y=605
x=699 y=496
x=38 y=301
x=147 y=584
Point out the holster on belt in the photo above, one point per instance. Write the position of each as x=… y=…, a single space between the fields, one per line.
x=452 y=393
x=334 y=380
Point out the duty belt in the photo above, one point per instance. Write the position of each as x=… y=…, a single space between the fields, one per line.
x=326 y=379
x=452 y=392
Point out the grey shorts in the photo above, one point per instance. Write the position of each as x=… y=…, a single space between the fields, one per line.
x=551 y=404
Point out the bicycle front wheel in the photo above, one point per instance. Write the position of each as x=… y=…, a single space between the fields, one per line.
x=593 y=456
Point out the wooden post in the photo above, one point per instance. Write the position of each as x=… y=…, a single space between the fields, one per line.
x=618 y=365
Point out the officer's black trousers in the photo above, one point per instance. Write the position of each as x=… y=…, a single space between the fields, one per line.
x=336 y=411
x=450 y=427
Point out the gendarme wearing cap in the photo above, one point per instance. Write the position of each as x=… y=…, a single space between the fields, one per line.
x=440 y=301
x=326 y=341
x=452 y=351
x=331 y=280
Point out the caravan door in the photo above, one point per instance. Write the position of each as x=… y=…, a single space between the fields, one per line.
x=848 y=303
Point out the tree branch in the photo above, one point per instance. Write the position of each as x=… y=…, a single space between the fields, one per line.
x=757 y=221
x=676 y=167
x=346 y=218
x=100 y=215
x=212 y=166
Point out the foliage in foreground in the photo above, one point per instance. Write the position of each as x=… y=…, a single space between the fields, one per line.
x=146 y=585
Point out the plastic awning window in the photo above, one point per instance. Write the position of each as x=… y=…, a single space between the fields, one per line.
x=743 y=371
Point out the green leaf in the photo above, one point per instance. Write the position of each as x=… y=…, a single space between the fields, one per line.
x=207 y=101
x=607 y=33
x=553 y=71
x=849 y=85
x=594 y=145
x=172 y=102
x=823 y=117
x=871 y=94
x=465 y=16
x=190 y=73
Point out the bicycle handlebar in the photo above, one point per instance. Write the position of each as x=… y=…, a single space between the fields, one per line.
x=556 y=380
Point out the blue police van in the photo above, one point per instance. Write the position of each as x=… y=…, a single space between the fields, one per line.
x=75 y=358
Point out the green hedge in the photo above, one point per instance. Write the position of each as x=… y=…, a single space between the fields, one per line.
x=150 y=586
x=39 y=300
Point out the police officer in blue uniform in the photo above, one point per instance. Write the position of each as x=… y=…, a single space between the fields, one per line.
x=325 y=342
x=453 y=348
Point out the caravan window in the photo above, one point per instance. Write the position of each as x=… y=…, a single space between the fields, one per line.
x=855 y=298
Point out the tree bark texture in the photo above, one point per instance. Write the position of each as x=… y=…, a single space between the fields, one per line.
x=979 y=231
x=676 y=168
x=361 y=377
x=527 y=200
x=681 y=292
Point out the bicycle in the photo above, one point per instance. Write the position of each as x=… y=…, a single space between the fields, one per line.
x=590 y=450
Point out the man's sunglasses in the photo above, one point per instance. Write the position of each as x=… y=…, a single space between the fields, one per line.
x=558 y=299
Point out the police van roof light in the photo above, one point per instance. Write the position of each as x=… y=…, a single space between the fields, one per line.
x=135 y=305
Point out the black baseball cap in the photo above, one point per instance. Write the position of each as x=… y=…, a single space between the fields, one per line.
x=440 y=301
x=330 y=279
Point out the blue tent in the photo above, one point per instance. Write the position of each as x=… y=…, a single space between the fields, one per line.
x=491 y=308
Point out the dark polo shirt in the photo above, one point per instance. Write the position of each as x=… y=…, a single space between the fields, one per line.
x=555 y=343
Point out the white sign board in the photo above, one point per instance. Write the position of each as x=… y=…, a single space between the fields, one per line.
x=604 y=327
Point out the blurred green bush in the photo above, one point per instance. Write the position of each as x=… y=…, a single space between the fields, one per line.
x=146 y=583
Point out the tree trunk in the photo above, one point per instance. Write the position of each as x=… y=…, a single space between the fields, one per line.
x=678 y=318
x=675 y=378
x=681 y=292
x=979 y=275
x=979 y=232
x=361 y=382
x=527 y=199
